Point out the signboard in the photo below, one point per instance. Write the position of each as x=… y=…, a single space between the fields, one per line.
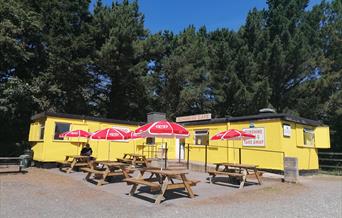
x=259 y=139
x=193 y=118
x=287 y=130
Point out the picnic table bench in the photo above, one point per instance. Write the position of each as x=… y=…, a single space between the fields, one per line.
x=164 y=181
x=101 y=170
x=238 y=171
x=7 y=161
x=134 y=159
x=73 y=161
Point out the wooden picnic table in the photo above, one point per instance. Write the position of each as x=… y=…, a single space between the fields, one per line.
x=238 y=171
x=105 y=169
x=134 y=159
x=72 y=161
x=6 y=161
x=163 y=181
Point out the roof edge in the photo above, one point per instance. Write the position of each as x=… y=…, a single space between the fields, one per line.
x=83 y=117
x=263 y=116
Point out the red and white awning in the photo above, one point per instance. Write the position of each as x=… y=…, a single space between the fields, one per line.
x=110 y=134
x=75 y=134
x=162 y=129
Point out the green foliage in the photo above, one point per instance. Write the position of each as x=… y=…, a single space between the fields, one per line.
x=57 y=56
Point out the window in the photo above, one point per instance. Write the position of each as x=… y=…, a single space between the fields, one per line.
x=201 y=137
x=60 y=128
x=41 y=131
x=150 y=141
x=309 y=137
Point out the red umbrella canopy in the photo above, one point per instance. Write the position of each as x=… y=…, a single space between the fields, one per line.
x=133 y=135
x=232 y=134
x=162 y=129
x=111 y=134
x=75 y=134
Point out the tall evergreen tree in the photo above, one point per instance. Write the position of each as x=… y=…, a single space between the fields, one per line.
x=119 y=31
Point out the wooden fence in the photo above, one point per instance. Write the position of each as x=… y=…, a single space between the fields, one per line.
x=330 y=160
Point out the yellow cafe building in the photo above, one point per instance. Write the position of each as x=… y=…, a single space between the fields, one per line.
x=277 y=136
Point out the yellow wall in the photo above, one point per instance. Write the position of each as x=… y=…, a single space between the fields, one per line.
x=293 y=146
x=322 y=137
x=55 y=150
x=217 y=150
x=228 y=150
x=269 y=156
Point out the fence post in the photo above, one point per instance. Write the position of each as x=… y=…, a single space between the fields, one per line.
x=166 y=155
x=239 y=155
x=206 y=158
x=187 y=161
x=179 y=152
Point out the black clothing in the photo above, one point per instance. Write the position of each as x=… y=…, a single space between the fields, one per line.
x=86 y=151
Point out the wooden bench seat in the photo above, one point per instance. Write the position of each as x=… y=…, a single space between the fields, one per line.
x=191 y=182
x=63 y=162
x=5 y=162
x=133 y=181
x=102 y=172
x=225 y=173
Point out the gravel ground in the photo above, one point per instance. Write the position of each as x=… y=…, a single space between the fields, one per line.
x=50 y=193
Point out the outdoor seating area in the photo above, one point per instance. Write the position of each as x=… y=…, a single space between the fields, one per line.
x=162 y=181
x=133 y=169
x=135 y=159
x=238 y=172
x=99 y=171
x=159 y=179
x=10 y=164
x=71 y=162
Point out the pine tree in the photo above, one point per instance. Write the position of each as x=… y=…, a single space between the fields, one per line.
x=118 y=32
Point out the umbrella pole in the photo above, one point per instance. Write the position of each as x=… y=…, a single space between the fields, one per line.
x=234 y=151
x=133 y=146
x=108 y=150
x=97 y=149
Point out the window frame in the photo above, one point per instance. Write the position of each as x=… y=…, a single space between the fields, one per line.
x=201 y=135
x=54 y=134
x=41 y=131
x=153 y=141
x=311 y=132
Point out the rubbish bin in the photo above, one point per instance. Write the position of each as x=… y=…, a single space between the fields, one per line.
x=25 y=160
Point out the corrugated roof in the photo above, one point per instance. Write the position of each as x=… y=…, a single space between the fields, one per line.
x=83 y=117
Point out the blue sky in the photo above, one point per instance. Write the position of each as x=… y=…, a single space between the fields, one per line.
x=175 y=15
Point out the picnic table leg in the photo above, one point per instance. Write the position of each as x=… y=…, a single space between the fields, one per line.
x=242 y=183
x=212 y=179
x=187 y=186
x=125 y=172
x=87 y=178
x=72 y=166
x=134 y=161
x=134 y=188
x=104 y=176
x=217 y=167
x=160 y=197
x=257 y=176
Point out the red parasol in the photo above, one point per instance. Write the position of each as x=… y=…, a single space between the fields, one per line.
x=162 y=129
x=111 y=134
x=75 y=134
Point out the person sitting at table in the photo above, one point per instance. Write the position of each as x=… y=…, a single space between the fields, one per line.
x=86 y=150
